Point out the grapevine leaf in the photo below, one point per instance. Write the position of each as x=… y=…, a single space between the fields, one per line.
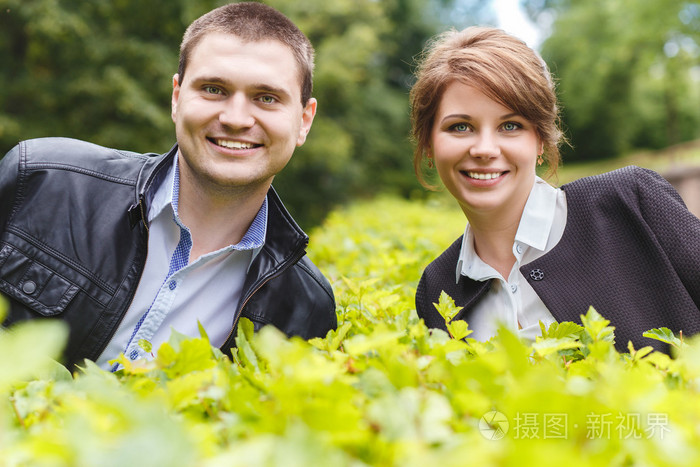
x=335 y=337
x=459 y=329
x=663 y=335
x=596 y=327
x=145 y=345
x=31 y=346
x=202 y=331
x=194 y=355
x=446 y=307
x=244 y=351
x=562 y=330
x=544 y=347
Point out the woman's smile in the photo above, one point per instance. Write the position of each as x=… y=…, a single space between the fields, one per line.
x=485 y=153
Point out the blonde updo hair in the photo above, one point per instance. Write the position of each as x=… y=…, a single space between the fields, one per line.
x=502 y=67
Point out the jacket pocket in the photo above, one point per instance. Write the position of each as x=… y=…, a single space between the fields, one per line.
x=33 y=284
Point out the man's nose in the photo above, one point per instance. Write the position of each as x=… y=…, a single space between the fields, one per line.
x=237 y=112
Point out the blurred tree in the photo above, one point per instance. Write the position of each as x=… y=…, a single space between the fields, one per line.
x=102 y=71
x=359 y=144
x=628 y=71
x=94 y=70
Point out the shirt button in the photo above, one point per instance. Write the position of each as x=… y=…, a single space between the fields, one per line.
x=513 y=288
x=519 y=248
x=172 y=285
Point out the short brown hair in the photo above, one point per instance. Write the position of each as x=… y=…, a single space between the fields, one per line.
x=502 y=67
x=252 y=22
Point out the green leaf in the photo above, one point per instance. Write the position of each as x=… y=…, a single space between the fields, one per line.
x=562 y=330
x=29 y=348
x=459 y=329
x=596 y=327
x=664 y=335
x=245 y=352
x=548 y=346
x=145 y=345
x=446 y=307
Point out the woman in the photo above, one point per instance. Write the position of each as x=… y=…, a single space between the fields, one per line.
x=485 y=115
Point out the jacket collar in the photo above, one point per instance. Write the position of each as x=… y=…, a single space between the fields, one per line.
x=282 y=234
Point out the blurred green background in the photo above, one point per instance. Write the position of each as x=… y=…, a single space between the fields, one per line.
x=628 y=76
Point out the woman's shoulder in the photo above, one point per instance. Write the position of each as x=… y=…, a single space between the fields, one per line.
x=447 y=259
x=625 y=176
x=623 y=183
x=442 y=270
x=627 y=188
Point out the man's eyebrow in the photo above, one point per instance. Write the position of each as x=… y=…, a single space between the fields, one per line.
x=263 y=87
x=271 y=89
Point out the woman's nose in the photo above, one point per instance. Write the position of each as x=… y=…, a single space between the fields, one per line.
x=485 y=145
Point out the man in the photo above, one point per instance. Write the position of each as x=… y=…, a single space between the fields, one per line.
x=124 y=246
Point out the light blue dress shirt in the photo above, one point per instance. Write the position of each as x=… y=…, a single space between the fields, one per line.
x=175 y=293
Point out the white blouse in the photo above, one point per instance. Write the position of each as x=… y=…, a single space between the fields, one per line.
x=511 y=301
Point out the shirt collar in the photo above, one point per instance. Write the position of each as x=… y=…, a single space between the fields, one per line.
x=168 y=193
x=534 y=230
x=163 y=193
x=538 y=215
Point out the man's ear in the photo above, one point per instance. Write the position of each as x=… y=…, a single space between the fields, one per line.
x=307 y=118
x=176 y=96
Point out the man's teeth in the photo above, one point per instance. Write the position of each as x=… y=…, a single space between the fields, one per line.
x=483 y=176
x=234 y=144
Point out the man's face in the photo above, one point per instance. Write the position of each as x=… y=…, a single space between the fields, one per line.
x=237 y=114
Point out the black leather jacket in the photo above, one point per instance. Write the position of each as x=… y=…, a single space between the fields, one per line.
x=73 y=246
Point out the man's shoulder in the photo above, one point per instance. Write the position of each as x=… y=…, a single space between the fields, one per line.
x=309 y=269
x=80 y=156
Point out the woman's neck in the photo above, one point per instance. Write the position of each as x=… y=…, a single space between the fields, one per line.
x=495 y=247
x=494 y=235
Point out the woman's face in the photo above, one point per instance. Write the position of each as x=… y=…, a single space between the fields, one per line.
x=484 y=152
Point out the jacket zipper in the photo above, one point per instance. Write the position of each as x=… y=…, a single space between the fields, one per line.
x=239 y=312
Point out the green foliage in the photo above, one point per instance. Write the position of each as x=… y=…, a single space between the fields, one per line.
x=380 y=390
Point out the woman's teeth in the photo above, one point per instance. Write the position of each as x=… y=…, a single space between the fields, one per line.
x=484 y=176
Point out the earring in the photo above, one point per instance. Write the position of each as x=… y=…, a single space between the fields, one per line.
x=430 y=162
x=540 y=160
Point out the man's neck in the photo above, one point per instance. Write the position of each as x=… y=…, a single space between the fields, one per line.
x=216 y=218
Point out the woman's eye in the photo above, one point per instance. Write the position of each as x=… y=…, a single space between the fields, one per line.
x=460 y=127
x=510 y=126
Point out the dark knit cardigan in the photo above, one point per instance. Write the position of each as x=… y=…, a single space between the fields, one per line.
x=630 y=249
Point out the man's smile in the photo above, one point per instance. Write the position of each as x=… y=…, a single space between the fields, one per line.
x=226 y=143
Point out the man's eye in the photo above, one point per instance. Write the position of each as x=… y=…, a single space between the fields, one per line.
x=212 y=90
x=267 y=99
